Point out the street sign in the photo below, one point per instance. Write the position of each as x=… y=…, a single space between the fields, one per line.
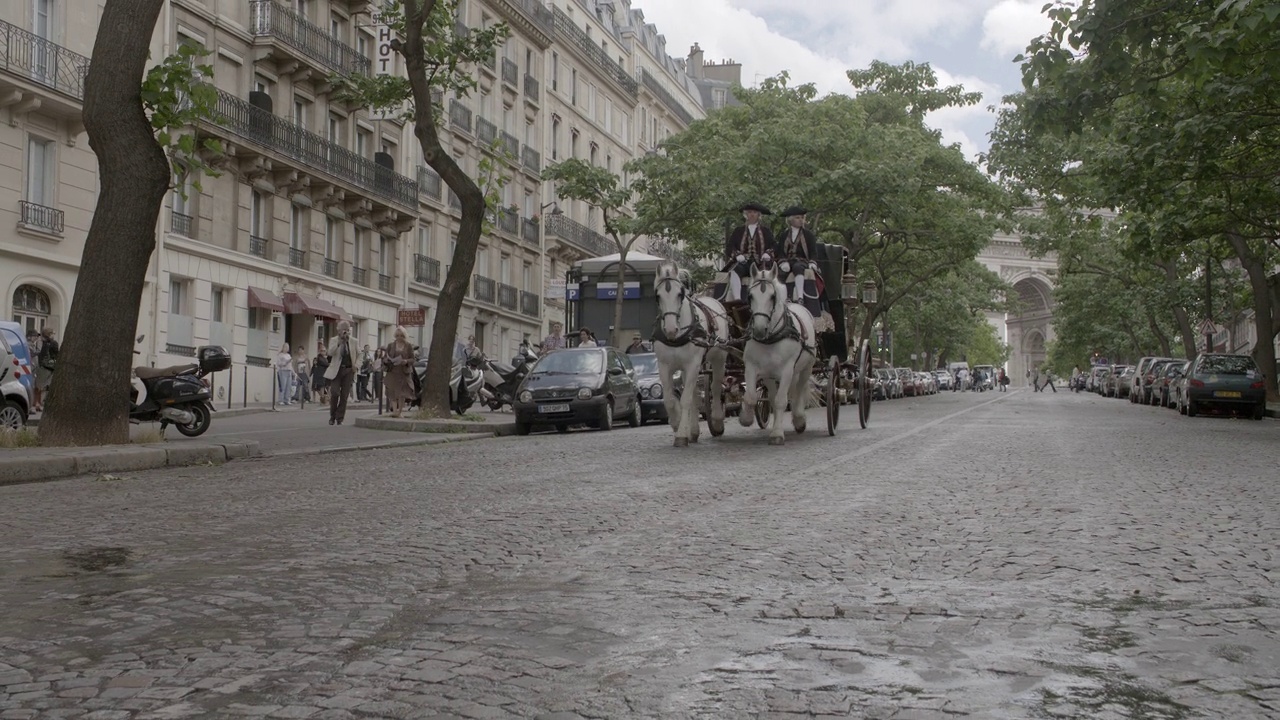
x=555 y=289
x=609 y=290
x=411 y=317
x=1208 y=328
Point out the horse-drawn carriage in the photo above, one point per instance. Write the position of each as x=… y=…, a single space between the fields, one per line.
x=769 y=349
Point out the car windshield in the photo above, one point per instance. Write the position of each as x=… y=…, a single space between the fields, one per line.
x=645 y=364
x=571 y=362
x=1227 y=365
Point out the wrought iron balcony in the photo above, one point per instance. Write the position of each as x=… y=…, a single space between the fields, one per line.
x=258 y=246
x=568 y=32
x=529 y=304
x=652 y=85
x=269 y=18
x=486 y=289
x=307 y=148
x=429 y=182
x=45 y=218
x=531 y=88
x=532 y=159
x=508 y=296
x=586 y=239
x=490 y=62
x=533 y=11
x=331 y=267
x=510 y=72
x=384 y=282
x=426 y=270
x=180 y=224
x=42 y=62
x=486 y=132
x=360 y=276
x=297 y=257
x=529 y=230
x=459 y=115
x=510 y=144
x=508 y=221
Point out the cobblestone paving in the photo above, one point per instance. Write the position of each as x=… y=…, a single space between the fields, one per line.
x=989 y=556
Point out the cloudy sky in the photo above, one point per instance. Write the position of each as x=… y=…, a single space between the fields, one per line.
x=967 y=42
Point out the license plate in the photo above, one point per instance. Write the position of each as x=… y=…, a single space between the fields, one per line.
x=553 y=408
x=1226 y=394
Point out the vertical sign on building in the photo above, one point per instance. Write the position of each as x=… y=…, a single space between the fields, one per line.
x=384 y=60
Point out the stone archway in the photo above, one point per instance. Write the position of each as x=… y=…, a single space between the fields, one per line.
x=1031 y=329
x=32 y=307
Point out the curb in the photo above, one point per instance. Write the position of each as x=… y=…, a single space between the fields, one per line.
x=436 y=426
x=1273 y=412
x=39 y=464
x=233 y=412
x=431 y=439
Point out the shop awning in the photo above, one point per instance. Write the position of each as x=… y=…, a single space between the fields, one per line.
x=260 y=298
x=298 y=304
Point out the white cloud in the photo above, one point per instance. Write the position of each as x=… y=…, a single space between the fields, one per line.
x=1010 y=26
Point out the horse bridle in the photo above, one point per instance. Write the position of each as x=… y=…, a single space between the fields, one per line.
x=688 y=330
x=769 y=315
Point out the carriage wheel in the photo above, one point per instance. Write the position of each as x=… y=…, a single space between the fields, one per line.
x=864 y=383
x=833 y=404
x=764 y=409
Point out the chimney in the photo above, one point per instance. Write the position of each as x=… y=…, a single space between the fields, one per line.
x=695 y=62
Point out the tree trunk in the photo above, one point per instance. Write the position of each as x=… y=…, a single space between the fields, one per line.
x=89 y=404
x=1180 y=313
x=444 y=329
x=1160 y=336
x=1264 y=352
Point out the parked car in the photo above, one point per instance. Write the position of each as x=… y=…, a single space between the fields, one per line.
x=1114 y=382
x=17 y=377
x=943 y=379
x=652 y=406
x=578 y=385
x=1154 y=381
x=1169 y=384
x=891 y=383
x=1100 y=380
x=1095 y=379
x=1140 y=386
x=1221 y=381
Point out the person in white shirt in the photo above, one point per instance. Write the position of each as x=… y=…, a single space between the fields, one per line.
x=586 y=338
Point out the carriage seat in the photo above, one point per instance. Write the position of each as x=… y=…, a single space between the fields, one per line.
x=149 y=373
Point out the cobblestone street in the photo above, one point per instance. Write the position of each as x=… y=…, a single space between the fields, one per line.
x=1010 y=555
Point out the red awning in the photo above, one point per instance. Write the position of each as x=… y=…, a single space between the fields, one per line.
x=260 y=298
x=298 y=304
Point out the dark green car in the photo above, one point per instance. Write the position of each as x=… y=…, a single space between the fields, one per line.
x=1225 y=382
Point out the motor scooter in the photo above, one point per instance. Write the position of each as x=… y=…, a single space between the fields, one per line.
x=466 y=380
x=179 y=394
x=501 y=381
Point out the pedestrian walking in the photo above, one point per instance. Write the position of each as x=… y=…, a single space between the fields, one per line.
x=397 y=358
x=379 y=367
x=363 y=374
x=1035 y=379
x=284 y=376
x=554 y=341
x=637 y=345
x=318 y=384
x=34 y=343
x=1004 y=381
x=343 y=356
x=586 y=338
x=1048 y=381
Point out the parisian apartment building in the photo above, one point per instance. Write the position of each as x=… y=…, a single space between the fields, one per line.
x=322 y=211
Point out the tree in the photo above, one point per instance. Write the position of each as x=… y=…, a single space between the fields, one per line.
x=437 y=59
x=132 y=124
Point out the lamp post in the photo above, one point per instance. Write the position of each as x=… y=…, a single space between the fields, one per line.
x=849 y=292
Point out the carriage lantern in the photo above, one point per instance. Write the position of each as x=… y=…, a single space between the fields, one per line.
x=869 y=292
x=848 y=288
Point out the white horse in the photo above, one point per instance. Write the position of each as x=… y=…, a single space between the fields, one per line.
x=781 y=342
x=689 y=329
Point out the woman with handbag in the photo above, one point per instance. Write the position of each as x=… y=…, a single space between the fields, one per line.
x=397 y=375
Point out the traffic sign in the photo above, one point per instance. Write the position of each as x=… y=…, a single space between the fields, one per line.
x=1208 y=328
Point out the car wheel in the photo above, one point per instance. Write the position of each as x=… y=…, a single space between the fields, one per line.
x=12 y=416
x=633 y=420
x=523 y=428
x=606 y=415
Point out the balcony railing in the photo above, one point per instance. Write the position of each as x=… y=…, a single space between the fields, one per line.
x=537 y=12
x=508 y=296
x=275 y=133
x=529 y=230
x=459 y=115
x=585 y=238
x=360 y=276
x=510 y=144
x=490 y=62
x=508 y=221
x=531 y=88
x=486 y=288
x=568 y=32
x=258 y=246
x=429 y=182
x=532 y=159
x=297 y=257
x=510 y=73
x=180 y=224
x=529 y=303
x=652 y=85
x=384 y=282
x=38 y=216
x=44 y=63
x=331 y=267
x=270 y=18
x=426 y=270
x=486 y=132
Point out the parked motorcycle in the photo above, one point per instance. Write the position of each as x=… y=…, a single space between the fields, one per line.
x=466 y=380
x=178 y=395
x=501 y=381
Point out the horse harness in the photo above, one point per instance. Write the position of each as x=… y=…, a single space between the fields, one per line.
x=787 y=329
x=695 y=332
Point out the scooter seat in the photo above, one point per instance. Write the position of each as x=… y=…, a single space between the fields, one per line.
x=503 y=368
x=150 y=373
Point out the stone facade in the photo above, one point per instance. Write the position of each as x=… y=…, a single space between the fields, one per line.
x=1027 y=333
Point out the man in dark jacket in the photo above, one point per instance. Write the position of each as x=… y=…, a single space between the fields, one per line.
x=797 y=264
x=749 y=243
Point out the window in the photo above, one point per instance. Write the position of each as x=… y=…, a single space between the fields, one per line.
x=555 y=71
x=42 y=28
x=178 y=302
x=608 y=116
x=361 y=247
x=364 y=142
x=337 y=130
x=259 y=319
x=591 y=101
x=594 y=151
x=332 y=239
x=717 y=98
x=257 y=213
x=482 y=262
x=386 y=254
x=183 y=195
x=297 y=227
x=573 y=143
x=574 y=92
x=217 y=304
x=302 y=6
x=526 y=277
x=337 y=26
x=424 y=239
x=40 y=170
x=301 y=111
x=362 y=45
x=504 y=270
x=555 y=138
x=31 y=307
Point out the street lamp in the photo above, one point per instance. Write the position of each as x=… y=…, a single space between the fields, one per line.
x=869 y=292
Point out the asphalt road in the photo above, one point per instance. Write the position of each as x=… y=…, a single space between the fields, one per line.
x=992 y=556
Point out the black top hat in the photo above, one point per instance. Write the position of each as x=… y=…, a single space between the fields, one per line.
x=794 y=210
x=755 y=206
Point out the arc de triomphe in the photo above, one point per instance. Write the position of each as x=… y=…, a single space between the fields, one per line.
x=1032 y=279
